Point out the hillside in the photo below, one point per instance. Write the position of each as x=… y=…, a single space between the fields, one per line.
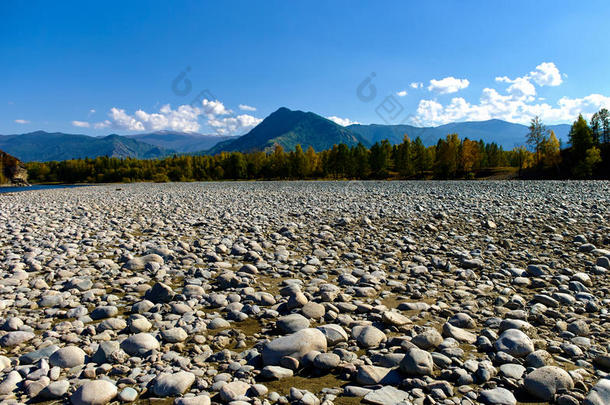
x=181 y=142
x=12 y=171
x=43 y=146
x=290 y=128
x=506 y=134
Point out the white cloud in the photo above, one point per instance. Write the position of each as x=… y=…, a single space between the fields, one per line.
x=546 y=74
x=234 y=125
x=342 y=121
x=81 y=124
x=401 y=93
x=20 y=121
x=245 y=107
x=102 y=125
x=518 y=103
x=416 y=85
x=185 y=118
x=448 y=85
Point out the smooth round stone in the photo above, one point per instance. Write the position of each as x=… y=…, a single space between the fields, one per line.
x=96 y=392
x=295 y=345
x=275 y=373
x=544 y=382
x=394 y=318
x=128 y=394
x=326 y=361
x=429 y=338
x=292 y=323
x=497 y=396
x=174 y=335
x=417 y=362
x=515 y=343
x=196 y=400
x=55 y=390
x=233 y=390
x=107 y=311
x=166 y=385
x=67 y=357
x=15 y=338
x=334 y=333
x=218 y=323
x=140 y=344
x=313 y=310
x=599 y=394
x=368 y=336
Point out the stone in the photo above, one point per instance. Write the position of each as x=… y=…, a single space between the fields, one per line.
x=497 y=396
x=368 y=336
x=394 y=318
x=96 y=392
x=275 y=373
x=295 y=345
x=599 y=394
x=326 y=361
x=140 y=344
x=387 y=395
x=128 y=394
x=429 y=338
x=515 y=343
x=15 y=338
x=292 y=323
x=417 y=362
x=371 y=375
x=233 y=390
x=174 y=335
x=196 y=400
x=160 y=293
x=334 y=333
x=55 y=390
x=173 y=384
x=67 y=357
x=458 y=334
x=545 y=382
x=9 y=384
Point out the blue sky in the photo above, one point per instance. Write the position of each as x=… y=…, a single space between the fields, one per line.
x=104 y=67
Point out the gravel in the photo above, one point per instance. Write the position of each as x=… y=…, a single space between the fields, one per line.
x=307 y=292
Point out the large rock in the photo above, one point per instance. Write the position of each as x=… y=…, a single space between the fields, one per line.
x=334 y=333
x=371 y=375
x=292 y=323
x=295 y=345
x=458 y=334
x=497 y=396
x=140 y=344
x=429 y=338
x=97 y=392
x=171 y=385
x=67 y=357
x=544 y=382
x=139 y=263
x=233 y=390
x=15 y=338
x=515 y=343
x=417 y=362
x=387 y=395
x=368 y=336
x=160 y=293
x=599 y=394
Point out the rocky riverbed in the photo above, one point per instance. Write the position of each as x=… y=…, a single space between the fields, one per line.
x=307 y=292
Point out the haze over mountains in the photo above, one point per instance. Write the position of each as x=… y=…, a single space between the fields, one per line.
x=284 y=127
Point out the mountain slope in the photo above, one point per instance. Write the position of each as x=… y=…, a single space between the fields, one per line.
x=44 y=146
x=290 y=128
x=12 y=170
x=506 y=134
x=180 y=142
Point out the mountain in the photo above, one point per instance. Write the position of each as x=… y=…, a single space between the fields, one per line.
x=43 y=146
x=12 y=170
x=506 y=134
x=181 y=142
x=290 y=128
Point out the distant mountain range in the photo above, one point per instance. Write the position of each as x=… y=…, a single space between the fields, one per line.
x=291 y=128
x=283 y=127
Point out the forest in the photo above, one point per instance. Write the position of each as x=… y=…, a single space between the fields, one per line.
x=542 y=157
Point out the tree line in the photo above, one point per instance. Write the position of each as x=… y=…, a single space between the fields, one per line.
x=450 y=158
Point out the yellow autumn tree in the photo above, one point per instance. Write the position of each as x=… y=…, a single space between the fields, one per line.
x=470 y=155
x=551 y=155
